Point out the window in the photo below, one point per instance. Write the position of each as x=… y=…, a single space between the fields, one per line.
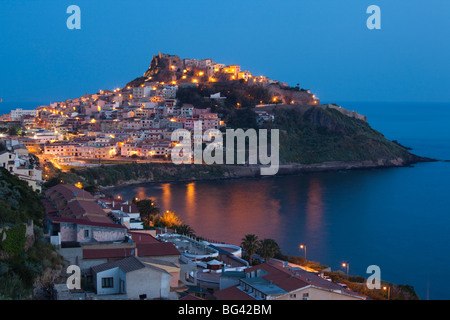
x=107 y=282
x=86 y=233
x=305 y=296
x=293 y=296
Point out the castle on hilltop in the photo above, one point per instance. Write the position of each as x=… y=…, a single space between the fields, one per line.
x=171 y=69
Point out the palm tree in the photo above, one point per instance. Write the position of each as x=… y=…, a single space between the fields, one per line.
x=250 y=246
x=186 y=230
x=148 y=210
x=268 y=249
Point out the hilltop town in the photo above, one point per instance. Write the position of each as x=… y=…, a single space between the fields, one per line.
x=136 y=122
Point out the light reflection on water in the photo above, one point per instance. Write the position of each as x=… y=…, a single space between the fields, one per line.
x=314 y=209
x=395 y=218
x=383 y=217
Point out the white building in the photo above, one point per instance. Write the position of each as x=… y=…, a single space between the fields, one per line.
x=133 y=278
x=141 y=92
x=20 y=167
x=45 y=136
x=187 y=111
x=17 y=114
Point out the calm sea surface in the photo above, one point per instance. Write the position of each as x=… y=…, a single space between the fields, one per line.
x=398 y=219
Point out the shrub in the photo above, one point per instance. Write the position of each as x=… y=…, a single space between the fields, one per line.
x=14 y=244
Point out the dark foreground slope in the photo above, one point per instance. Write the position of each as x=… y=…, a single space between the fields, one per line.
x=24 y=256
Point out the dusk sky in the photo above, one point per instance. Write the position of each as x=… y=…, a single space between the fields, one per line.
x=323 y=45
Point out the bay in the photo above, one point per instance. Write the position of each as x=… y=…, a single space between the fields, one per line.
x=395 y=218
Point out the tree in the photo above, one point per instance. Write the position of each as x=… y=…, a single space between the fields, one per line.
x=186 y=230
x=169 y=219
x=250 y=246
x=12 y=131
x=148 y=210
x=92 y=189
x=268 y=249
x=242 y=118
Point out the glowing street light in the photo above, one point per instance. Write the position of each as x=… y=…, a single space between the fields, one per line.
x=345 y=265
x=303 y=247
x=388 y=289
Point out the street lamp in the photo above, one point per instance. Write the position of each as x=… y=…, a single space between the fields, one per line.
x=345 y=265
x=303 y=246
x=388 y=289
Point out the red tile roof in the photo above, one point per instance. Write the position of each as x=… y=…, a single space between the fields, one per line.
x=69 y=192
x=290 y=280
x=157 y=249
x=142 y=237
x=85 y=222
x=72 y=202
x=190 y=297
x=110 y=200
x=279 y=277
x=81 y=208
x=48 y=206
x=127 y=208
x=107 y=253
x=232 y=293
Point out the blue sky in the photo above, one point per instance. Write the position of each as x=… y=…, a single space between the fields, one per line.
x=323 y=44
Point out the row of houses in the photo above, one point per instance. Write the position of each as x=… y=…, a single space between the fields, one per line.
x=275 y=281
x=120 y=260
x=19 y=162
x=104 y=237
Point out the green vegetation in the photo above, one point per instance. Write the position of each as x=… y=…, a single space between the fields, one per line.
x=18 y=202
x=14 y=244
x=186 y=230
x=306 y=137
x=250 y=244
x=390 y=291
x=137 y=172
x=238 y=94
x=148 y=211
x=151 y=216
x=301 y=261
x=13 y=130
x=18 y=273
x=268 y=249
x=23 y=259
x=169 y=219
x=242 y=118
x=236 y=109
x=320 y=135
